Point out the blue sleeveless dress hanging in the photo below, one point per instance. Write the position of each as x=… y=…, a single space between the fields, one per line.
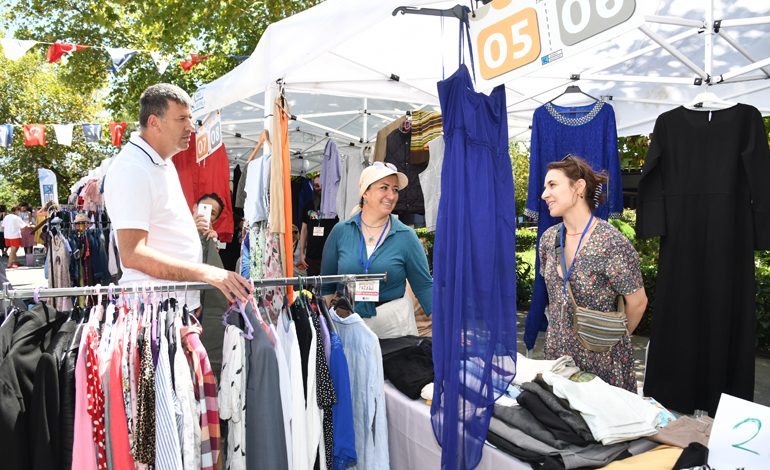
x=474 y=270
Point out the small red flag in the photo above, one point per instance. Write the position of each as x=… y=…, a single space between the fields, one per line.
x=57 y=50
x=34 y=134
x=195 y=59
x=117 y=129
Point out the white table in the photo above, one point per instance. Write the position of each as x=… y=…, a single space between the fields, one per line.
x=411 y=442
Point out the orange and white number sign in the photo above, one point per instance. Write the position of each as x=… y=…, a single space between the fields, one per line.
x=512 y=39
x=509 y=44
x=209 y=136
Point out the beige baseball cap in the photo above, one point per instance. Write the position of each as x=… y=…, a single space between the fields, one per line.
x=377 y=171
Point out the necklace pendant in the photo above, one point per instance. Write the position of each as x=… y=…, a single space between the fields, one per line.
x=371 y=239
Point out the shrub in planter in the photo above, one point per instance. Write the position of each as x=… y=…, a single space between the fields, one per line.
x=525 y=239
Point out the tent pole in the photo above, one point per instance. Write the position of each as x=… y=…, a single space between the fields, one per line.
x=709 y=38
x=365 y=131
x=625 y=78
x=327 y=128
x=730 y=40
x=673 y=51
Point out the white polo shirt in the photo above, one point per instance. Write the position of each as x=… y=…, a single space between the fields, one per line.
x=142 y=191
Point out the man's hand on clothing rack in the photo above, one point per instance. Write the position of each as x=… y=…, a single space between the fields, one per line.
x=232 y=285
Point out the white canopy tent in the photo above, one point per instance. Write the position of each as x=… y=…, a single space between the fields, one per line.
x=349 y=66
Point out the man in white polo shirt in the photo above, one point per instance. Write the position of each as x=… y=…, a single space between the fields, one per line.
x=156 y=233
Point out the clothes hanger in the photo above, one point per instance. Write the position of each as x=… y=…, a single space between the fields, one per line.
x=572 y=89
x=707 y=101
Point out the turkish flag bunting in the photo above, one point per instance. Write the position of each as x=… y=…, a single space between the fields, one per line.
x=34 y=134
x=57 y=50
x=195 y=59
x=117 y=129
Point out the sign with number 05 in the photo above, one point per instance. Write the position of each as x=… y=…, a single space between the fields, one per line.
x=515 y=38
x=740 y=435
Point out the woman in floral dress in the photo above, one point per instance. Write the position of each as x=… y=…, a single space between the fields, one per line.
x=601 y=264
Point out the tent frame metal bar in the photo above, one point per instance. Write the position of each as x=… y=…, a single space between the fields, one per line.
x=726 y=98
x=746 y=21
x=731 y=41
x=674 y=51
x=612 y=63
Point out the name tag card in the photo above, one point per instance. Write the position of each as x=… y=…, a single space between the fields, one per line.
x=318 y=231
x=740 y=436
x=367 y=291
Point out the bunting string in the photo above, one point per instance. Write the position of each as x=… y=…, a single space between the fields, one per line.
x=14 y=49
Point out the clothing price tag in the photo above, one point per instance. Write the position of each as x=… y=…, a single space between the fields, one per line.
x=740 y=435
x=318 y=231
x=367 y=291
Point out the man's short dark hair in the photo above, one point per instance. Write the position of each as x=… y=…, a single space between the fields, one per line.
x=155 y=98
x=215 y=197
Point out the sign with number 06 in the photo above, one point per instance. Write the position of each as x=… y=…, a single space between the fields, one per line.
x=515 y=38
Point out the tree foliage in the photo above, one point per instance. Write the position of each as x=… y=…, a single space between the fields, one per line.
x=80 y=88
x=174 y=28
x=33 y=93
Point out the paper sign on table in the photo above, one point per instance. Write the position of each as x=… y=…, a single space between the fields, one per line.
x=740 y=436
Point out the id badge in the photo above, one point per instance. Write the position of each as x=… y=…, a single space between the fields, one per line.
x=367 y=291
x=318 y=231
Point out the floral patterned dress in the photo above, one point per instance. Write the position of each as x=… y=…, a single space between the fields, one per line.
x=606 y=266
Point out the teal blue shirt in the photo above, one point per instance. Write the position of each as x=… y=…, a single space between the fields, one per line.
x=400 y=255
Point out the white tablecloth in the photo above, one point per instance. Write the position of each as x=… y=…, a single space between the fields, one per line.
x=412 y=444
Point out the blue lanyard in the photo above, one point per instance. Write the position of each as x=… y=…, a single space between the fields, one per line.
x=368 y=262
x=563 y=256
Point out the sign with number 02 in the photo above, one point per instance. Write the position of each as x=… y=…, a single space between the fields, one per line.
x=740 y=436
x=515 y=38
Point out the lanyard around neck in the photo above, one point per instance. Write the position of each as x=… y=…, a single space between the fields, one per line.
x=574 y=258
x=368 y=262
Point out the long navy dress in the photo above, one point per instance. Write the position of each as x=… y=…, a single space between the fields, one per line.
x=590 y=133
x=474 y=287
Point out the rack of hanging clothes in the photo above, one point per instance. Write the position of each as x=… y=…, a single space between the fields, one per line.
x=80 y=249
x=125 y=382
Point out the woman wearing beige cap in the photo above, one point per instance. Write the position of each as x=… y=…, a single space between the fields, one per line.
x=373 y=241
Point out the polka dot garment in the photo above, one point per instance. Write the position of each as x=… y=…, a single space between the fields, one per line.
x=95 y=397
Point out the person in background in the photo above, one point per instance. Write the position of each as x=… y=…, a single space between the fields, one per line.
x=314 y=233
x=374 y=241
x=213 y=303
x=204 y=227
x=27 y=233
x=3 y=210
x=12 y=226
x=601 y=264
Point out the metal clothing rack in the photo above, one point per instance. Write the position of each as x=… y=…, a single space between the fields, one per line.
x=161 y=287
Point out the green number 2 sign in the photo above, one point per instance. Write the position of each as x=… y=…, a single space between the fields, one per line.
x=740 y=444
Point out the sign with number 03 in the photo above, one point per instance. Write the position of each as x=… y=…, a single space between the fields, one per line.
x=209 y=136
x=740 y=435
x=512 y=39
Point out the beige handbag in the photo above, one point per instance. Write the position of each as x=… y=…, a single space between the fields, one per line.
x=597 y=331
